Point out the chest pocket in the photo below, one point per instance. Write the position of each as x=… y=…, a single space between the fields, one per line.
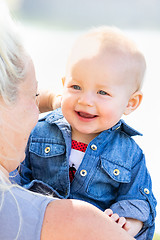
x=46 y=149
x=116 y=171
x=106 y=179
x=47 y=160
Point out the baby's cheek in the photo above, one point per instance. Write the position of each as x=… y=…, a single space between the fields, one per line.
x=65 y=105
x=110 y=113
x=111 y=116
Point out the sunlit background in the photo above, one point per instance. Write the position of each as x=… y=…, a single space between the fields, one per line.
x=51 y=26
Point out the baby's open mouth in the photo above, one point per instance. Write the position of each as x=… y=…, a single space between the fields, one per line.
x=86 y=115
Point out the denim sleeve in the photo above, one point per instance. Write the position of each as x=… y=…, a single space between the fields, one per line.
x=137 y=209
x=136 y=200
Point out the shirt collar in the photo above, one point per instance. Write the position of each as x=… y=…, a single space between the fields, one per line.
x=122 y=126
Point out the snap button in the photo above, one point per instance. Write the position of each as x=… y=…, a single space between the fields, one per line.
x=146 y=190
x=47 y=149
x=93 y=147
x=83 y=172
x=116 y=172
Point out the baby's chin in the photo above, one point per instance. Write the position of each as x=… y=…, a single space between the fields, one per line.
x=89 y=133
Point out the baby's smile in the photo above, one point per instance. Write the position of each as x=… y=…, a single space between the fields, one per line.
x=86 y=115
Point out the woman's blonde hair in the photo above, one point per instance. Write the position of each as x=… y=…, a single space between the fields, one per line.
x=12 y=56
x=13 y=62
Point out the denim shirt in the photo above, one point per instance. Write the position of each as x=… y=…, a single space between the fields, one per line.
x=112 y=174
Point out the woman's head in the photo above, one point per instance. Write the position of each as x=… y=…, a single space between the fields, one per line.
x=12 y=57
x=18 y=90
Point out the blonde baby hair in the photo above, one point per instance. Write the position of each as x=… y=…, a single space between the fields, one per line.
x=113 y=40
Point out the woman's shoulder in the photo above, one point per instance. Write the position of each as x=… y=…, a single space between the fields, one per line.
x=30 y=198
x=22 y=213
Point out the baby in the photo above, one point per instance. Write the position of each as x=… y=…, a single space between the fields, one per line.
x=86 y=151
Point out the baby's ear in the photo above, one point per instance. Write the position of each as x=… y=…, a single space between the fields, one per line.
x=63 y=80
x=134 y=102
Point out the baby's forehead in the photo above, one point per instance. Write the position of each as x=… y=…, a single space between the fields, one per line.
x=99 y=53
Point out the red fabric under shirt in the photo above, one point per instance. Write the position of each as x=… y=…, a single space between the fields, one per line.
x=80 y=147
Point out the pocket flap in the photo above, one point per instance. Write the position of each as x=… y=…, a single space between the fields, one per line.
x=46 y=149
x=115 y=171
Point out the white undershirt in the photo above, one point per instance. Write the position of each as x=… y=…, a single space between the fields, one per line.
x=75 y=158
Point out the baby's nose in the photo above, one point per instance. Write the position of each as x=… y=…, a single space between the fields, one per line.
x=86 y=99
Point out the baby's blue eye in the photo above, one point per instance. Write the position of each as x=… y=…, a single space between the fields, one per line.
x=102 y=92
x=76 y=87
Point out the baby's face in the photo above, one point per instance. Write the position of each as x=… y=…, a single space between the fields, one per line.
x=96 y=93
